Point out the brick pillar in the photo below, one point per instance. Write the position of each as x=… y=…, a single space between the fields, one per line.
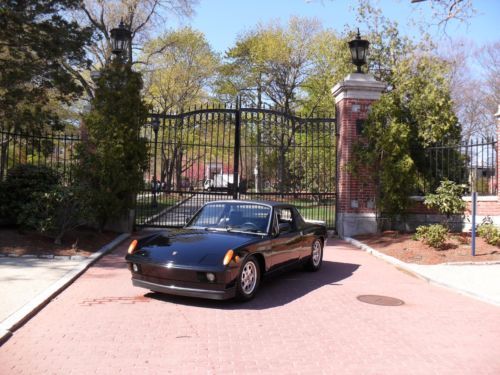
x=355 y=211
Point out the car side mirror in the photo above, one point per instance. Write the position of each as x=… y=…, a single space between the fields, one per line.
x=187 y=220
x=284 y=227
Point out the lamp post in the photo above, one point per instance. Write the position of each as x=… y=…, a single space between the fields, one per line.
x=155 y=125
x=358 y=48
x=120 y=40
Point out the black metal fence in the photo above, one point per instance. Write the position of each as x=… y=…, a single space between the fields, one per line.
x=228 y=152
x=473 y=164
x=224 y=152
x=52 y=149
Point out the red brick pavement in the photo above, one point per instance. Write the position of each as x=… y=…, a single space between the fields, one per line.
x=299 y=323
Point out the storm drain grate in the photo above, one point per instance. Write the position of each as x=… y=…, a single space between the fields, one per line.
x=380 y=300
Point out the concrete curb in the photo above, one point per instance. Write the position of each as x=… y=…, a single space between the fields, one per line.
x=25 y=313
x=407 y=268
x=45 y=256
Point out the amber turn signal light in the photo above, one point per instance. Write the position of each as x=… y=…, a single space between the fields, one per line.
x=132 y=247
x=228 y=257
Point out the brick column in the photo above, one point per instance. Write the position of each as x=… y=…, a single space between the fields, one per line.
x=355 y=211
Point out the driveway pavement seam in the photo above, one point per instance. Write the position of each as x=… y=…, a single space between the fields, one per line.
x=432 y=280
x=21 y=316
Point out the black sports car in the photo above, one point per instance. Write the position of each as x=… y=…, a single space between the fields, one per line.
x=226 y=249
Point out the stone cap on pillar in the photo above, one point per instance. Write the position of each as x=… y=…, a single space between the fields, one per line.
x=358 y=86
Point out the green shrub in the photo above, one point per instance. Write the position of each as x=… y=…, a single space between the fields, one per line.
x=54 y=212
x=490 y=233
x=21 y=183
x=433 y=235
x=112 y=161
x=447 y=200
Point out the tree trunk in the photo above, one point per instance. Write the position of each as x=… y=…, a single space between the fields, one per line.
x=178 y=170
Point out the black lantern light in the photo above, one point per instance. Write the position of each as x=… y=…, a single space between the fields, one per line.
x=120 y=39
x=359 y=48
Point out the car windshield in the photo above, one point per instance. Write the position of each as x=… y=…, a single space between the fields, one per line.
x=233 y=216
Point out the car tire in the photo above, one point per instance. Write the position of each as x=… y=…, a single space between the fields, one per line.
x=248 y=279
x=316 y=259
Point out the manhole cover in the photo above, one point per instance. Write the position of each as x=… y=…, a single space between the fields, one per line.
x=380 y=300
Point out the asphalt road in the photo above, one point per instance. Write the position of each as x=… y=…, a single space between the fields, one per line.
x=177 y=215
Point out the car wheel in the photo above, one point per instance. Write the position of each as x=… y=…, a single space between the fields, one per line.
x=248 y=279
x=316 y=259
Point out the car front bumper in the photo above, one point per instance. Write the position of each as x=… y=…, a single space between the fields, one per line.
x=185 y=291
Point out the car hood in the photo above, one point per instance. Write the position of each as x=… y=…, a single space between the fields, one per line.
x=191 y=247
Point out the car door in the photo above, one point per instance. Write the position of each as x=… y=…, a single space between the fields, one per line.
x=307 y=236
x=286 y=247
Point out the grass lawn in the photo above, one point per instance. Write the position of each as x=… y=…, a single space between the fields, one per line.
x=315 y=211
x=308 y=207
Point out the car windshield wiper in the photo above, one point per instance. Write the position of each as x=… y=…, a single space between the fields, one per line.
x=208 y=229
x=236 y=229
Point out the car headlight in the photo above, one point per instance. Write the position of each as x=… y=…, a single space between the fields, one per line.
x=132 y=247
x=228 y=257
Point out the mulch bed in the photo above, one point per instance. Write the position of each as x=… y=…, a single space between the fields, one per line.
x=83 y=242
x=457 y=248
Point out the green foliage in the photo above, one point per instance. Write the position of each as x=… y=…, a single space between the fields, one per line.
x=292 y=66
x=182 y=73
x=433 y=235
x=448 y=199
x=331 y=63
x=113 y=158
x=415 y=113
x=38 y=47
x=387 y=148
x=54 y=212
x=490 y=233
x=20 y=187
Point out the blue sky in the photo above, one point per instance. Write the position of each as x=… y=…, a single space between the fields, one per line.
x=223 y=20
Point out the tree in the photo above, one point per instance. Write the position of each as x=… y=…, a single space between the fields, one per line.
x=489 y=58
x=176 y=79
x=291 y=68
x=182 y=74
x=415 y=114
x=139 y=16
x=331 y=62
x=113 y=159
x=446 y=10
x=271 y=63
x=37 y=47
x=468 y=92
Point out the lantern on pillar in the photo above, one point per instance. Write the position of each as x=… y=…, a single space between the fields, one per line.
x=120 y=39
x=359 y=48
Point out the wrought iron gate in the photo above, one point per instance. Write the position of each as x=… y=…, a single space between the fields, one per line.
x=224 y=152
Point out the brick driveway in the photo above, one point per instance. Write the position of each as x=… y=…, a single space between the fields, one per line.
x=298 y=323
